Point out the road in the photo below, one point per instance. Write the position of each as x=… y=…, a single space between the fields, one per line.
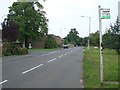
x=56 y=69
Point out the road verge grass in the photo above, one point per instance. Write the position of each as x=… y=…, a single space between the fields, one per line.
x=92 y=68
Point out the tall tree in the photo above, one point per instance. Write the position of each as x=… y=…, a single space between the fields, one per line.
x=10 y=31
x=50 y=41
x=33 y=23
x=111 y=38
x=73 y=37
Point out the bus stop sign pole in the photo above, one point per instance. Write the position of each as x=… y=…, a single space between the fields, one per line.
x=101 y=52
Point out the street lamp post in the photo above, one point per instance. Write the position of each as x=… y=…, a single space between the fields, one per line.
x=89 y=30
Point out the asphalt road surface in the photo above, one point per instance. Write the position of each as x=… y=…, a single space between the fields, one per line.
x=56 y=69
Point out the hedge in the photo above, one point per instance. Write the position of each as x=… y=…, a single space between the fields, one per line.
x=12 y=49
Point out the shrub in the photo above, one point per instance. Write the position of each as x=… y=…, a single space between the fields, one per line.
x=13 y=49
x=23 y=51
x=6 y=51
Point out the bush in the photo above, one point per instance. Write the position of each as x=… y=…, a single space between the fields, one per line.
x=13 y=49
x=6 y=51
x=23 y=51
x=50 y=42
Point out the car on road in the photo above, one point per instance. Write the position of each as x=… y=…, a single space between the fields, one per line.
x=65 y=47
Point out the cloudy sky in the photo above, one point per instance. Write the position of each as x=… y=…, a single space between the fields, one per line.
x=66 y=14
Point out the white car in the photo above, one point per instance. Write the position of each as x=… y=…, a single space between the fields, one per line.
x=65 y=46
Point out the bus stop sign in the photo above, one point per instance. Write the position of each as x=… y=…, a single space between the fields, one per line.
x=105 y=13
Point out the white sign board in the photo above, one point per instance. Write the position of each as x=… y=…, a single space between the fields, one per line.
x=105 y=13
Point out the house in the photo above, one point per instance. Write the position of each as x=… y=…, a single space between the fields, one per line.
x=58 y=40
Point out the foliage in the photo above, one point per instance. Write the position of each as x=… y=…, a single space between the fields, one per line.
x=94 y=39
x=32 y=22
x=65 y=41
x=111 y=39
x=10 y=31
x=50 y=42
x=73 y=37
x=84 y=41
x=12 y=49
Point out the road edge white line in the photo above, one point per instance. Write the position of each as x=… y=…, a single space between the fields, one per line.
x=81 y=82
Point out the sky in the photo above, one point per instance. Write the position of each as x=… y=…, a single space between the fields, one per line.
x=64 y=15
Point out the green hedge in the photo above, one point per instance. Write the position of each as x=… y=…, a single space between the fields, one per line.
x=13 y=49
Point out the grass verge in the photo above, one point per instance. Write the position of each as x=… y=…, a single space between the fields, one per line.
x=92 y=68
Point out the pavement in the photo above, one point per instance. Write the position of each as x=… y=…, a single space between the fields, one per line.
x=42 y=69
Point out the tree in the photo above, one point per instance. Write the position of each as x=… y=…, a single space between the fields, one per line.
x=10 y=31
x=33 y=23
x=111 y=38
x=50 y=42
x=85 y=41
x=65 y=41
x=94 y=39
x=73 y=37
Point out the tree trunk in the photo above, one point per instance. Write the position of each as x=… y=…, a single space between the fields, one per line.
x=24 y=44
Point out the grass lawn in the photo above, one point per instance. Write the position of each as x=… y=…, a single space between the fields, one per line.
x=92 y=68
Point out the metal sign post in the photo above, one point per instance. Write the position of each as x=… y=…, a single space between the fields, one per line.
x=101 y=58
x=105 y=15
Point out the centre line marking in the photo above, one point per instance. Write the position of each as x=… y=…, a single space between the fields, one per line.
x=32 y=69
x=60 y=56
x=65 y=54
x=51 y=60
x=3 y=82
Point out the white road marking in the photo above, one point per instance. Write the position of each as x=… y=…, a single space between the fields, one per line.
x=51 y=60
x=81 y=81
x=32 y=69
x=43 y=55
x=58 y=51
x=3 y=82
x=69 y=52
x=60 y=56
x=50 y=53
x=65 y=54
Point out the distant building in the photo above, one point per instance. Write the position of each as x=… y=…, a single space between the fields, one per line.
x=38 y=43
x=58 y=40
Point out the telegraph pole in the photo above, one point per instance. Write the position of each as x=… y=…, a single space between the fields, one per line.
x=89 y=31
